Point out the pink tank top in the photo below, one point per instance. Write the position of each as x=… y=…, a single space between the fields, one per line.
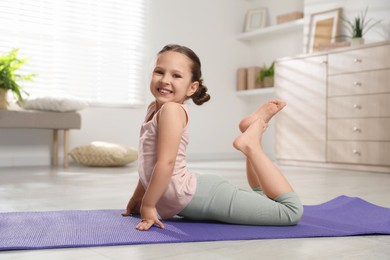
x=183 y=184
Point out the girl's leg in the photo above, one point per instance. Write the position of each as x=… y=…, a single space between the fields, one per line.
x=217 y=199
x=271 y=179
x=253 y=181
x=265 y=112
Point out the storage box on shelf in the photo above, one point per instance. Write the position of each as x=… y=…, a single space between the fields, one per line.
x=288 y=17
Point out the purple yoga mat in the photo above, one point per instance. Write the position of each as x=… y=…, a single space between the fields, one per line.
x=342 y=216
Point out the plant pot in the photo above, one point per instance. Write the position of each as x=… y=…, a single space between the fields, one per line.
x=3 y=99
x=268 y=82
x=357 y=42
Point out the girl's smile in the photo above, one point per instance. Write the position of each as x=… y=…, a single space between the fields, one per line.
x=164 y=91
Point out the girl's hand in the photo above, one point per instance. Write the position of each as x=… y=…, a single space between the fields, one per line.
x=149 y=218
x=133 y=207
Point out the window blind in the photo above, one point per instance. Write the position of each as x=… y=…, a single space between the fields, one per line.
x=91 y=49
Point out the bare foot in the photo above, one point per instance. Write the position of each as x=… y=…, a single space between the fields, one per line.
x=251 y=138
x=264 y=112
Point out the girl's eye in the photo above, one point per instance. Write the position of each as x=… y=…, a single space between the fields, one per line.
x=176 y=76
x=158 y=72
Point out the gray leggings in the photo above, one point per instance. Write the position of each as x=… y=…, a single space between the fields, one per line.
x=217 y=199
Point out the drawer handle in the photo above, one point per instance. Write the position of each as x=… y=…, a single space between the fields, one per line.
x=357 y=84
x=357 y=60
x=356 y=106
x=324 y=62
x=356 y=129
x=356 y=152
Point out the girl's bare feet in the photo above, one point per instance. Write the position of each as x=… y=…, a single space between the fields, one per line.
x=264 y=112
x=251 y=138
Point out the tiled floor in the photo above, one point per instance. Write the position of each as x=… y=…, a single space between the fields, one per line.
x=43 y=188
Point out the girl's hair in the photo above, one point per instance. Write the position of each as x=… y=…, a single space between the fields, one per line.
x=200 y=96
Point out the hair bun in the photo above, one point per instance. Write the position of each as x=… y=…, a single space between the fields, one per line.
x=200 y=96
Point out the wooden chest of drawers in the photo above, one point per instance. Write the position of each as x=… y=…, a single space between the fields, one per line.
x=358 y=119
x=353 y=93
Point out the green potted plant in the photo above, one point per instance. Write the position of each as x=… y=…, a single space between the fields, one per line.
x=358 y=27
x=9 y=78
x=266 y=76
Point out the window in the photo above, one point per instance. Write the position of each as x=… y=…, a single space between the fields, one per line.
x=86 y=48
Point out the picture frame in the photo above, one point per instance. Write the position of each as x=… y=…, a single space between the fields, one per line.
x=323 y=29
x=255 y=19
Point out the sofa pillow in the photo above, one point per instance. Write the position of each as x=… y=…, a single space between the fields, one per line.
x=55 y=103
x=104 y=154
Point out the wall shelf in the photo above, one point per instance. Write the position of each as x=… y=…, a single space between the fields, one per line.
x=254 y=92
x=271 y=30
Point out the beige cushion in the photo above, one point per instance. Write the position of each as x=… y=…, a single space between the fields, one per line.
x=104 y=154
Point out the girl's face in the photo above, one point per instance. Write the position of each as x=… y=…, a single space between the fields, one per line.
x=171 y=78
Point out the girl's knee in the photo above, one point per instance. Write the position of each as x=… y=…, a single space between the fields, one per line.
x=296 y=214
x=293 y=207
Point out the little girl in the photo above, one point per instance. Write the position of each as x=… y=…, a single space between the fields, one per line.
x=167 y=188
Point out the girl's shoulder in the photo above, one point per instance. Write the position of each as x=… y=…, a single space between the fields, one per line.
x=174 y=107
x=174 y=110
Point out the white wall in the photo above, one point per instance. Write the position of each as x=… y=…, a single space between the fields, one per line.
x=210 y=29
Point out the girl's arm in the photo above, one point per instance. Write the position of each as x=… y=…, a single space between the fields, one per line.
x=171 y=121
x=134 y=205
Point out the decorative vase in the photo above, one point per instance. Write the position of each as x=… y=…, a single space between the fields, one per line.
x=357 y=42
x=3 y=98
x=268 y=82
